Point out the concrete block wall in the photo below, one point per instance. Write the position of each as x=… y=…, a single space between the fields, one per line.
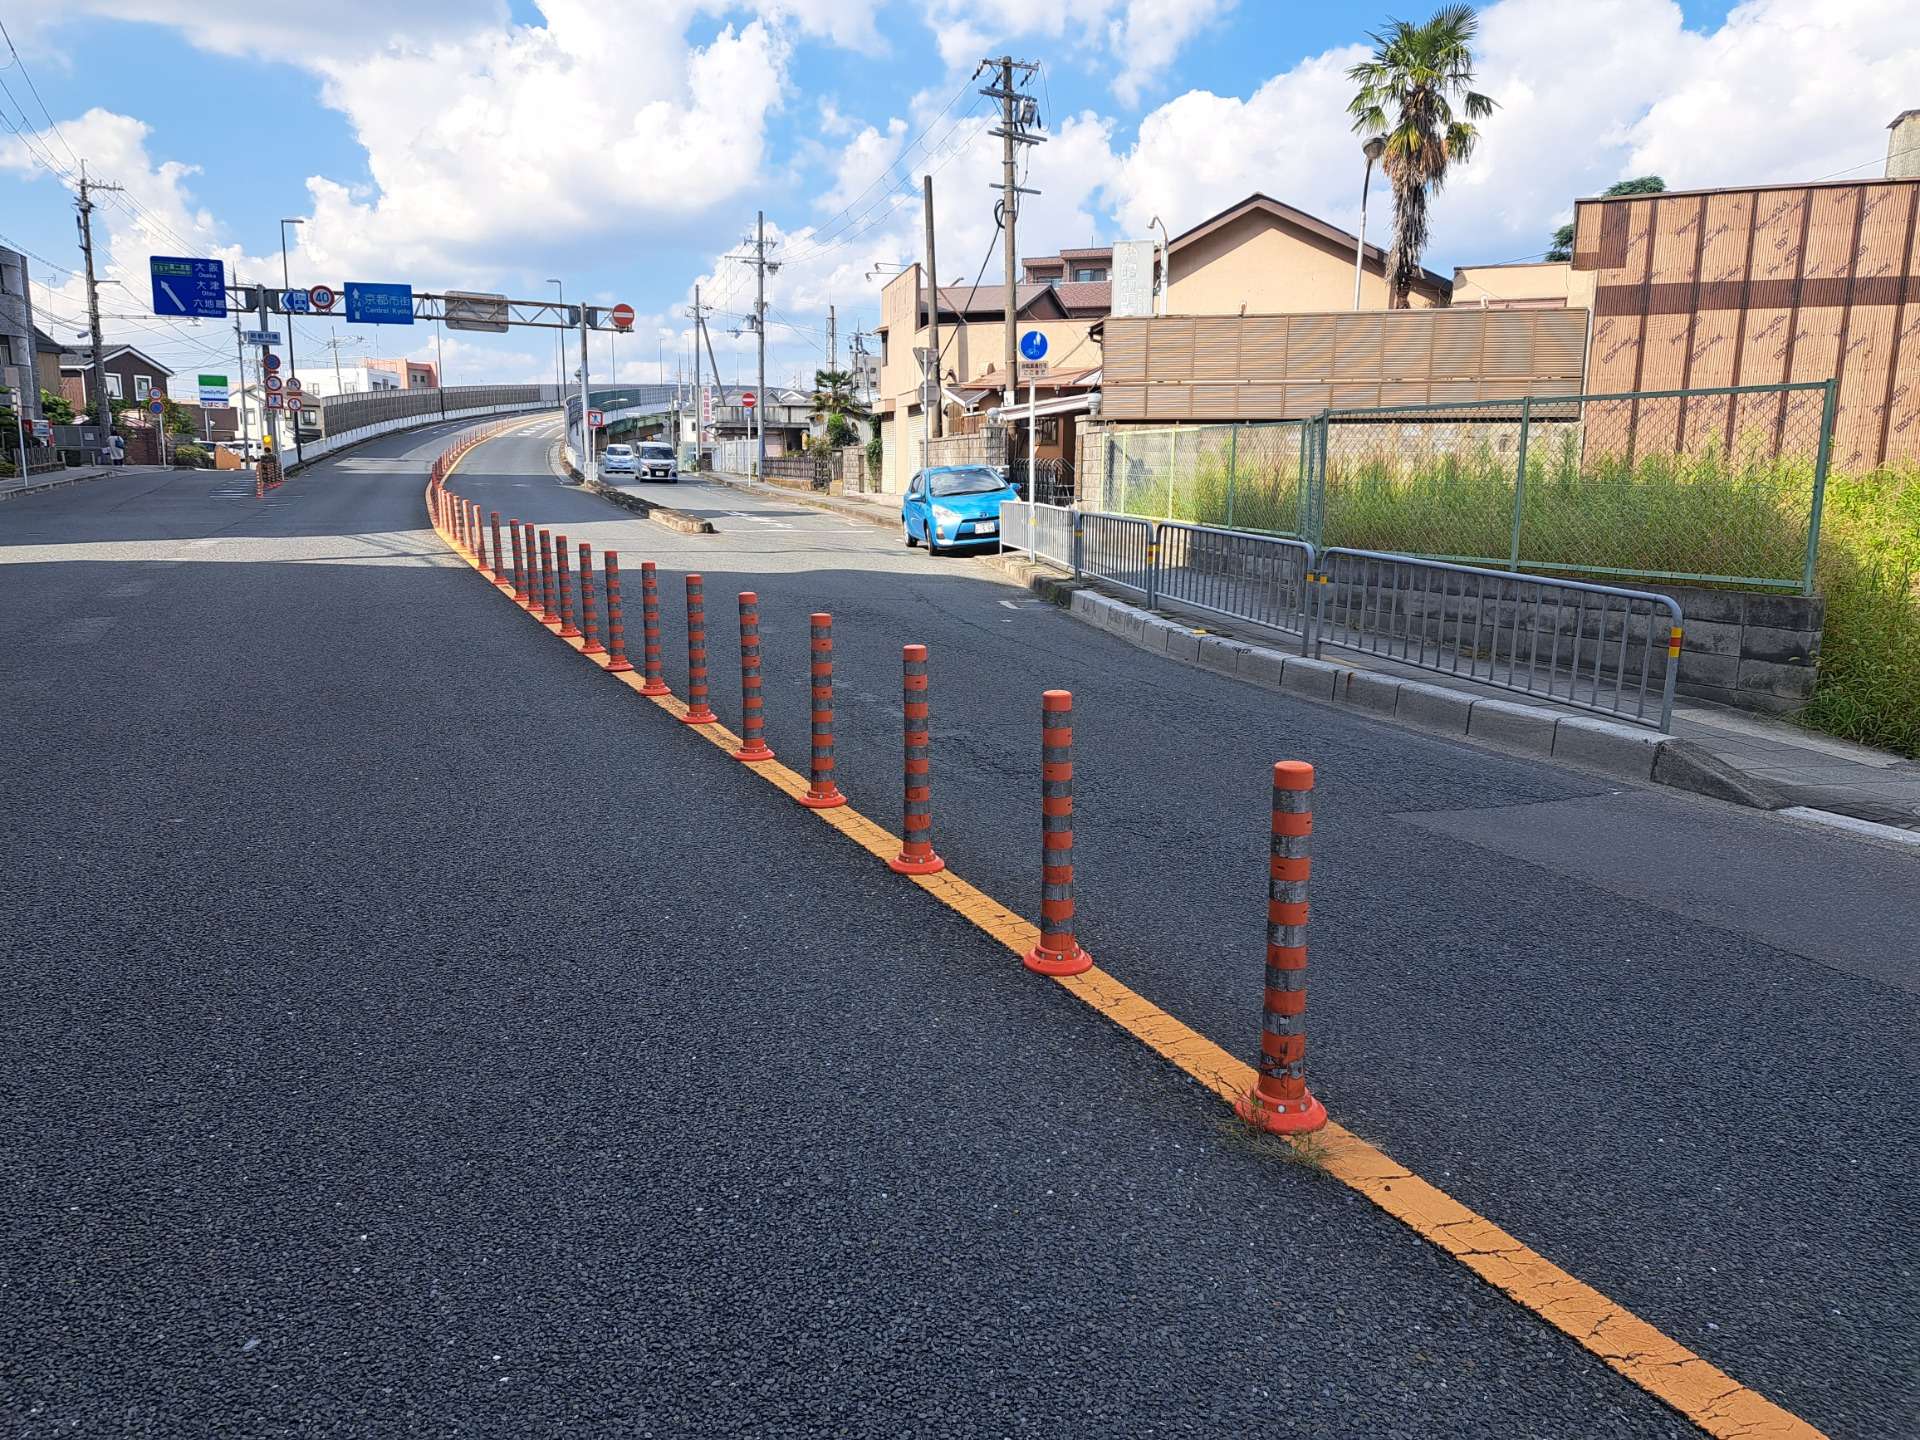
x=1757 y=651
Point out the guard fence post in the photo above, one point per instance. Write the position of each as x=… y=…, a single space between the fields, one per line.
x=519 y=566
x=617 y=661
x=917 y=855
x=1058 y=952
x=563 y=577
x=549 y=598
x=528 y=545
x=822 y=792
x=656 y=683
x=698 y=711
x=499 y=573
x=753 y=734
x=1279 y=1100
x=589 y=622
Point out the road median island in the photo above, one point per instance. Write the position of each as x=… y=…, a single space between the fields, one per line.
x=1708 y=1397
x=660 y=514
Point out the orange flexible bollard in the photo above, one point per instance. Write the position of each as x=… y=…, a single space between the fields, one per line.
x=822 y=793
x=588 y=624
x=753 y=733
x=519 y=566
x=1280 y=1101
x=549 y=616
x=1058 y=952
x=656 y=683
x=563 y=577
x=698 y=711
x=616 y=634
x=917 y=855
x=499 y=572
x=528 y=544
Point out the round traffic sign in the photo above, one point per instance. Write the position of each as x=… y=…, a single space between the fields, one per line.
x=273 y=383
x=1033 y=345
x=321 y=296
x=623 y=316
x=293 y=402
x=272 y=362
x=749 y=399
x=293 y=384
x=157 y=405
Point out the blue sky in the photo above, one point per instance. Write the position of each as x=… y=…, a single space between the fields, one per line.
x=626 y=146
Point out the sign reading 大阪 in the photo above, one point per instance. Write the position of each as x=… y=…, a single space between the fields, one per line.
x=214 y=394
x=369 y=304
x=186 y=286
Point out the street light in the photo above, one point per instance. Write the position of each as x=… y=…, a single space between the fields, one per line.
x=293 y=365
x=559 y=343
x=1373 y=149
x=1166 y=259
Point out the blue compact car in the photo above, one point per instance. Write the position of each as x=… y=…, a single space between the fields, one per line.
x=952 y=507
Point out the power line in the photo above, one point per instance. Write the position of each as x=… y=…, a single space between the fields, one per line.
x=27 y=75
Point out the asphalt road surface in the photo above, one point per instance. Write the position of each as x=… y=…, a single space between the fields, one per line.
x=408 y=1031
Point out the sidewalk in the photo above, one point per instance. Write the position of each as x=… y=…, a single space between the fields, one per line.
x=16 y=487
x=1783 y=766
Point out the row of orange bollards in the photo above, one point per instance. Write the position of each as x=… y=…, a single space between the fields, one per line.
x=540 y=578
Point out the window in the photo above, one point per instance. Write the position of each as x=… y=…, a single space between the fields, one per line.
x=142 y=386
x=113 y=386
x=1089 y=274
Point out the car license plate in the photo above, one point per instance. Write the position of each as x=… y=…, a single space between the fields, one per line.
x=986 y=527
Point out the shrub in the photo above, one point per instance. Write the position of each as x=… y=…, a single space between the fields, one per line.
x=190 y=455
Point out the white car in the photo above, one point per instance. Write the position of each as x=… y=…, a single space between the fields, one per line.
x=618 y=461
x=658 y=462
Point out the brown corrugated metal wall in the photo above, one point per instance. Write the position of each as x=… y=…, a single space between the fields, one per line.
x=1757 y=287
x=1282 y=367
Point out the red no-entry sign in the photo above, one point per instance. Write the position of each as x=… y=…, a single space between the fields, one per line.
x=749 y=399
x=623 y=317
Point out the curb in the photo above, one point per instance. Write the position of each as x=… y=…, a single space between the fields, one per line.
x=1628 y=752
x=61 y=484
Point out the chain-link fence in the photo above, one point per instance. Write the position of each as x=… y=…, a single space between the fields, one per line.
x=1243 y=477
x=1720 y=486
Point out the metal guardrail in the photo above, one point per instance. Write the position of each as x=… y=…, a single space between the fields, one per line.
x=1250 y=577
x=1574 y=643
x=1594 y=647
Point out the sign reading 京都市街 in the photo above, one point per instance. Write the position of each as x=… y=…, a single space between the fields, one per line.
x=369 y=304
x=213 y=392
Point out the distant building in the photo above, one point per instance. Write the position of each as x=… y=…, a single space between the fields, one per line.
x=132 y=374
x=359 y=379
x=412 y=374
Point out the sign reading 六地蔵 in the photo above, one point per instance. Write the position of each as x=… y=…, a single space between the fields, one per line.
x=186 y=286
x=369 y=304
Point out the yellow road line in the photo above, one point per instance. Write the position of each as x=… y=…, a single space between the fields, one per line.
x=1706 y=1395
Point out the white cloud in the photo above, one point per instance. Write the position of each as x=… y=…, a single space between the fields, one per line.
x=1139 y=39
x=1744 y=104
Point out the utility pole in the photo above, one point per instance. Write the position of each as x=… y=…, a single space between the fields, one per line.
x=761 y=266
x=587 y=457
x=699 y=400
x=102 y=405
x=1017 y=113
x=239 y=396
x=932 y=411
x=293 y=366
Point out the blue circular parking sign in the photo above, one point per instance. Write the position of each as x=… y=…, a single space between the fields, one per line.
x=1033 y=345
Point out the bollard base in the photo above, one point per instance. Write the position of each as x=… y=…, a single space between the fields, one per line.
x=701 y=716
x=593 y=647
x=619 y=667
x=1052 y=962
x=751 y=753
x=655 y=687
x=916 y=865
x=1305 y=1115
x=568 y=632
x=832 y=800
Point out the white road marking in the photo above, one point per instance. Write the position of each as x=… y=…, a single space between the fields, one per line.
x=1009 y=604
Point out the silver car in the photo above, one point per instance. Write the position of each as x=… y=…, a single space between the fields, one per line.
x=618 y=461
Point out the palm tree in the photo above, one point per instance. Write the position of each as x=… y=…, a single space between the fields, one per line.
x=834 y=398
x=1406 y=98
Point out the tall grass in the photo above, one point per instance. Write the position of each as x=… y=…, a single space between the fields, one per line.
x=1712 y=514
x=1869 y=686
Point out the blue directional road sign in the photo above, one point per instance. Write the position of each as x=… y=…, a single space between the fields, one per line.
x=1033 y=345
x=186 y=286
x=379 y=304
